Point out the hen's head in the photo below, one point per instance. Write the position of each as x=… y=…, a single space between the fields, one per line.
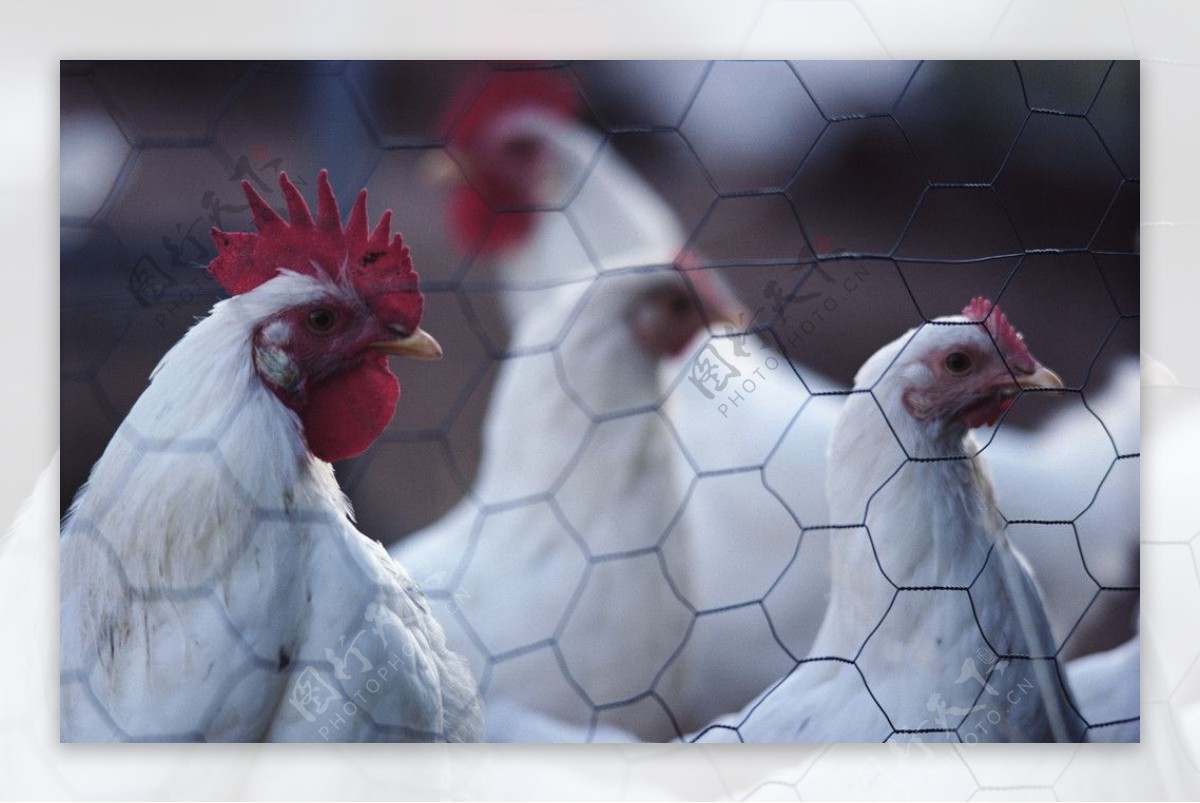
x=958 y=372
x=504 y=141
x=335 y=302
x=628 y=323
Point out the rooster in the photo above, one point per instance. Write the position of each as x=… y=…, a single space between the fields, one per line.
x=935 y=629
x=213 y=586
x=545 y=204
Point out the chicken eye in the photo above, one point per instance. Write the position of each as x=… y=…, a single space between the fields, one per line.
x=958 y=362
x=322 y=321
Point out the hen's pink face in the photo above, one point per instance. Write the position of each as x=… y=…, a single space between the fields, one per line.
x=664 y=317
x=975 y=373
x=973 y=385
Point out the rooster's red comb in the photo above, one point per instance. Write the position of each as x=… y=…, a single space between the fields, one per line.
x=472 y=112
x=1008 y=339
x=375 y=263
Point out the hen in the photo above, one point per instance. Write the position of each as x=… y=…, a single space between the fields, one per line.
x=549 y=575
x=935 y=629
x=546 y=204
x=213 y=586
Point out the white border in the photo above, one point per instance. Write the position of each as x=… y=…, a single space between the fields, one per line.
x=35 y=35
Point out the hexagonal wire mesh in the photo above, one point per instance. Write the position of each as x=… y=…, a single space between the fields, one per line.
x=842 y=202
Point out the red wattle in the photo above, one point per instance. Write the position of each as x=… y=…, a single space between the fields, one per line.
x=471 y=220
x=986 y=415
x=347 y=412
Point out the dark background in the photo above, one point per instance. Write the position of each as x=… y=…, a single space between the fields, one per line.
x=943 y=180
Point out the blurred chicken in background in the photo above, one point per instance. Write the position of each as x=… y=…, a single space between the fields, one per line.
x=521 y=148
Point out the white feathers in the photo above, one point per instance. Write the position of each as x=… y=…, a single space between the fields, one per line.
x=277 y=333
x=934 y=623
x=580 y=577
x=745 y=545
x=209 y=564
x=531 y=584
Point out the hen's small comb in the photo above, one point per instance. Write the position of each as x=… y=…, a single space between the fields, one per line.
x=376 y=262
x=472 y=112
x=1011 y=344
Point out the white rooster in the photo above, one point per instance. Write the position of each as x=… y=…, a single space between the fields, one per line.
x=935 y=629
x=213 y=586
x=548 y=203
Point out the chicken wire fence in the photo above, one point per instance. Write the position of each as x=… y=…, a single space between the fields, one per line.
x=842 y=202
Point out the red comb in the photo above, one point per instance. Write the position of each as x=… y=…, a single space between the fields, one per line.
x=547 y=90
x=376 y=262
x=1011 y=344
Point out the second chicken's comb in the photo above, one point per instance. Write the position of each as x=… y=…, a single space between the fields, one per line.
x=1010 y=341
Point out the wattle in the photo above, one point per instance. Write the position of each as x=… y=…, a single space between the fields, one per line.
x=347 y=412
x=475 y=227
x=987 y=412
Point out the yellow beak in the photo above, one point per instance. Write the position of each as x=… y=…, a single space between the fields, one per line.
x=1042 y=378
x=420 y=345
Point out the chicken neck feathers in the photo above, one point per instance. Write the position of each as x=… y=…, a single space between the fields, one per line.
x=210 y=562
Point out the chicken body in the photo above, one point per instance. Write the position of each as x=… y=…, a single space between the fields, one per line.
x=548 y=575
x=544 y=574
x=759 y=584
x=935 y=628
x=213 y=586
x=733 y=538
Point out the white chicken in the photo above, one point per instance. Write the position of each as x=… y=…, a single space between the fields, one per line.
x=213 y=586
x=549 y=575
x=549 y=203
x=935 y=629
